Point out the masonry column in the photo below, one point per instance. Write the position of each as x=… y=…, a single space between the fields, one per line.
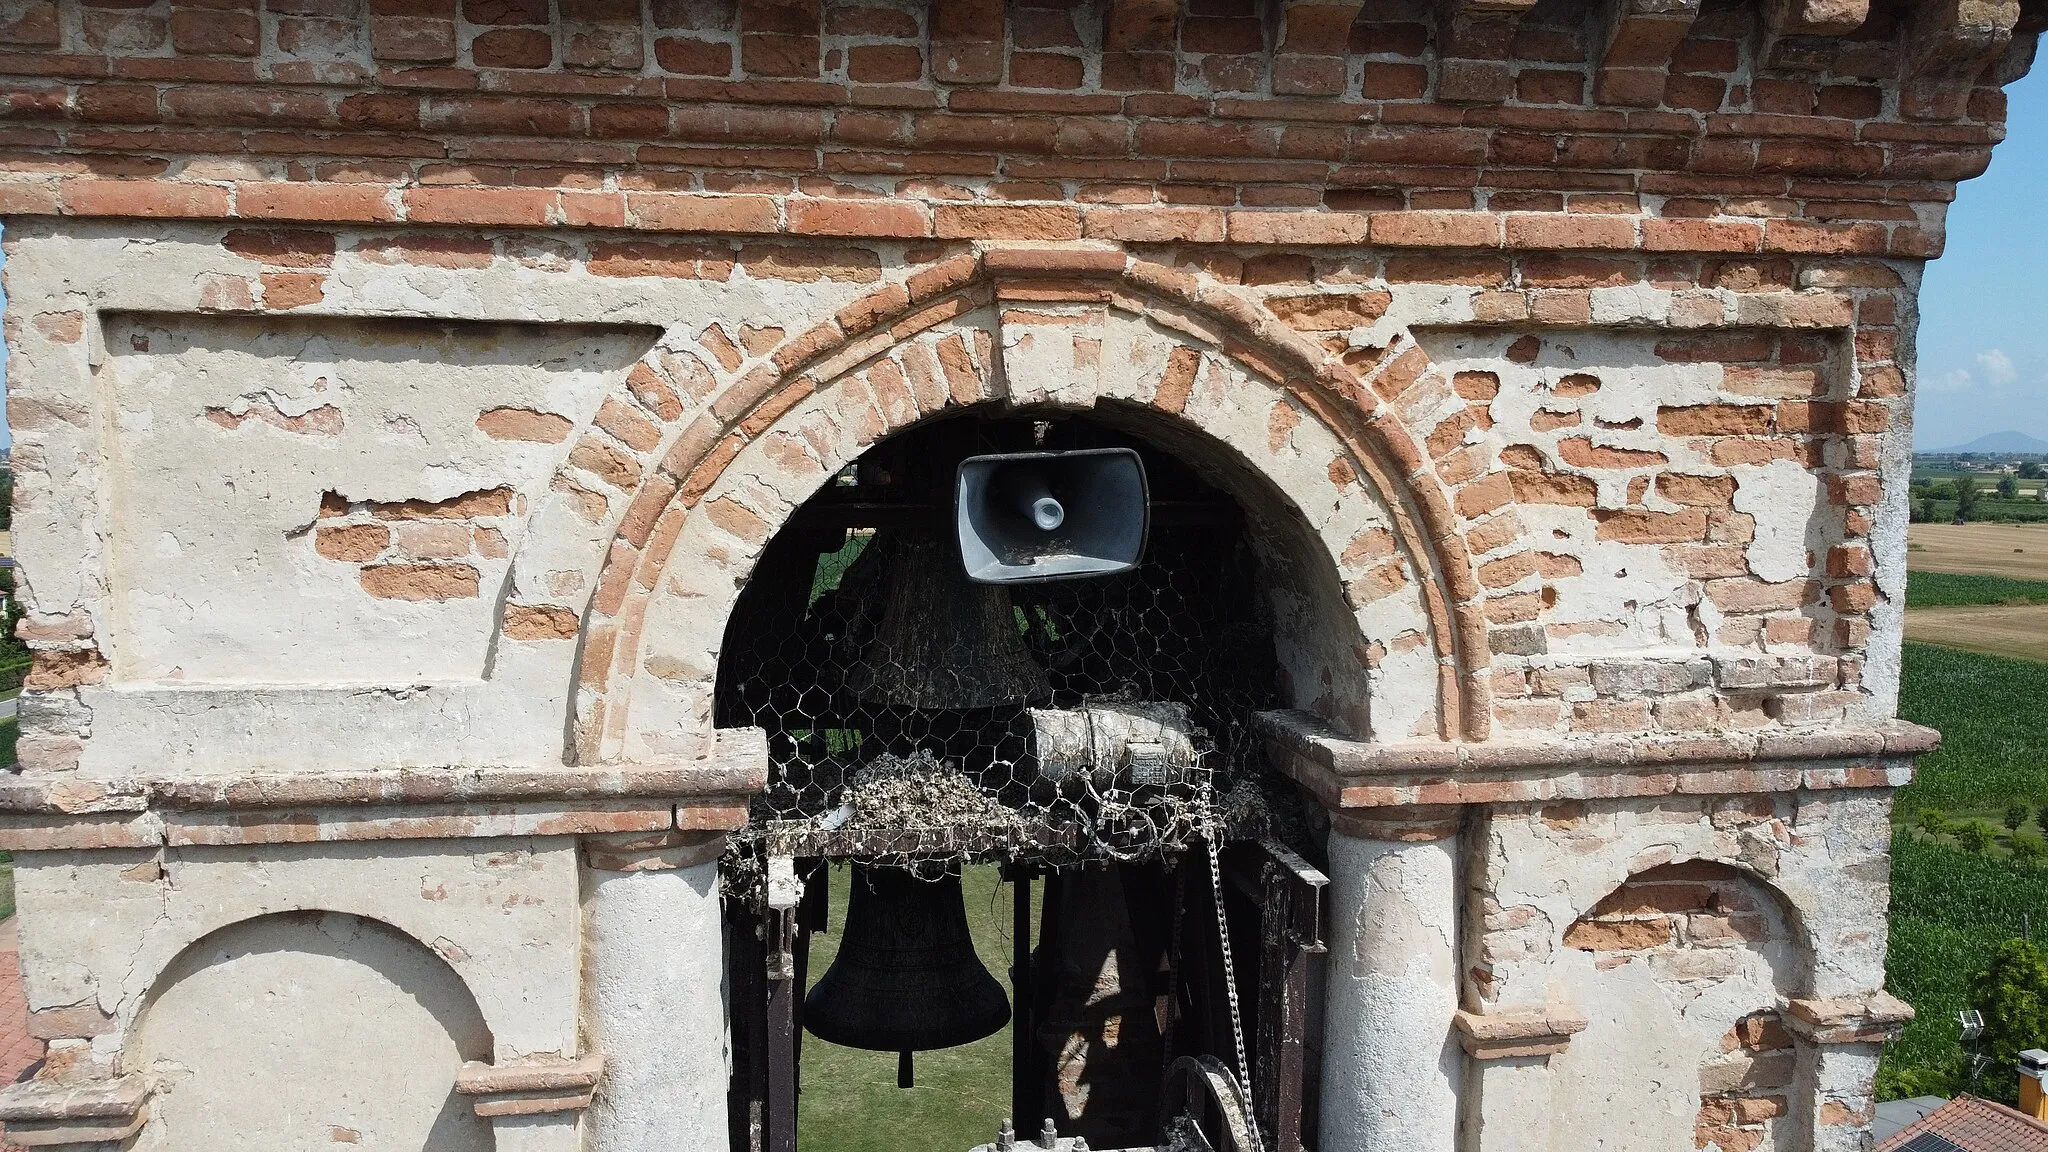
x=1390 y=1059
x=654 y=1001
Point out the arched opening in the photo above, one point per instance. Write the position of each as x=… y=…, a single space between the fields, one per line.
x=310 y=1028
x=1689 y=962
x=1085 y=740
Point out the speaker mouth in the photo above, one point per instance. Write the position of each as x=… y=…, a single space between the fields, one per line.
x=1028 y=517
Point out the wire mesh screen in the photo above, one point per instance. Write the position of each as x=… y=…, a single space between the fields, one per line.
x=914 y=714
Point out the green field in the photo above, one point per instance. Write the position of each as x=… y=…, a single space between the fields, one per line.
x=1951 y=590
x=848 y=1100
x=1951 y=907
x=1989 y=509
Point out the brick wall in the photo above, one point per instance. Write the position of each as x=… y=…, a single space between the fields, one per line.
x=1734 y=131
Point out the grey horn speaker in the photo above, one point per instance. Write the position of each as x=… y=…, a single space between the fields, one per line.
x=1031 y=516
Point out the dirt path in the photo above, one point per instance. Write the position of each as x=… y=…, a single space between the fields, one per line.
x=2016 y=550
x=2020 y=631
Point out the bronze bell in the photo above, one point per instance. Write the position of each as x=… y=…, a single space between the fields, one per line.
x=944 y=642
x=906 y=978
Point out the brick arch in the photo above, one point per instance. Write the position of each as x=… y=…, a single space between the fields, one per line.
x=1685 y=927
x=1662 y=900
x=662 y=469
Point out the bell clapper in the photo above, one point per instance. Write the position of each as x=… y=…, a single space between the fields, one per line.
x=904 y=1079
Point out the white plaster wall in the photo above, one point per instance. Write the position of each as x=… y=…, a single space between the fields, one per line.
x=1630 y=596
x=1888 y=534
x=1390 y=1062
x=97 y=928
x=216 y=576
x=1633 y=1077
x=409 y=694
x=305 y=1032
x=655 y=966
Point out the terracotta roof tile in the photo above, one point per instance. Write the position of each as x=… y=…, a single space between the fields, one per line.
x=1968 y=1124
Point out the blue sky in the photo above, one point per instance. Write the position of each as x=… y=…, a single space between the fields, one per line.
x=1984 y=305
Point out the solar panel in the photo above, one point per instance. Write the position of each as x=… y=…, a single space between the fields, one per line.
x=1929 y=1142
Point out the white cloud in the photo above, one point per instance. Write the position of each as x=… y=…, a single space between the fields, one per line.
x=1953 y=380
x=1997 y=367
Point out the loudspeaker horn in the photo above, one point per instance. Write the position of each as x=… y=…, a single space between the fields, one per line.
x=1025 y=517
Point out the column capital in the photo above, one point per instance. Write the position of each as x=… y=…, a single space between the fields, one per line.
x=1408 y=823
x=661 y=851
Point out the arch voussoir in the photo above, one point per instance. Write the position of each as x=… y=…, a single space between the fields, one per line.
x=871 y=353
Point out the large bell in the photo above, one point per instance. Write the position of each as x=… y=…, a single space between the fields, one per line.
x=906 y=978
x=944 y=642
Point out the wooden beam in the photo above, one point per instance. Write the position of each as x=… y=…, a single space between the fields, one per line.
x=1140 y=25
x=781 y=38
x=1816 y=17
x=1637 y=38
x=1312 y=44
x=1947 y=47
x=967 y=39
x=1475 y=39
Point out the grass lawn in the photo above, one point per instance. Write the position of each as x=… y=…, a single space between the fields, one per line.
x=1951 y=908
x=848 y=1100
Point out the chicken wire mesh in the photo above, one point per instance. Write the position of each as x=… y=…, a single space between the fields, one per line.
x=915 y=715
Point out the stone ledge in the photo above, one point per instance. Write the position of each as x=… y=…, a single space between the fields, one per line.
x=533 y=1086
x=1542 y=1032
x=1344 y=772
x=84 y=1113
x=39 y=813
x=1872 y=1019
x=754 y=214
x=737 y=766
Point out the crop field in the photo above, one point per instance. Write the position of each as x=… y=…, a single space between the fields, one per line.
x=2020 y=632
x=1950 y=906
x=2016 y=550
x=1951 y=590
x=1979 y=586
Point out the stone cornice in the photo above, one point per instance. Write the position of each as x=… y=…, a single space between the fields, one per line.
x=750 y=214
x=63 y=810
x=1871 y=1019
x=1498 y=1036
x=533 y=1086
x=1344 y=772
x=74 y=1114
x=738 y=766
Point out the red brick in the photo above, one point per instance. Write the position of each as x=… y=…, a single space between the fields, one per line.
x=199 y=32
x=1436 y=229
x=1569 y=230
x=884 y=64
x=486 y=206
x=688 y=212
x=1045 y=70
x=86 y=196
x=1000 y=222
x=513 y=48
x=1714 y=420
x=857 y=217
x=685 y=56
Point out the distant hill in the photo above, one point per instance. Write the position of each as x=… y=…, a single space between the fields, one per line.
x=2003 y=442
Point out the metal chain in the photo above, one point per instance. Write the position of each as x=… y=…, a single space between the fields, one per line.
x=1244 y=1072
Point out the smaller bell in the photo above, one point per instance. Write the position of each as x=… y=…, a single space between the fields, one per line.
x=906 y=978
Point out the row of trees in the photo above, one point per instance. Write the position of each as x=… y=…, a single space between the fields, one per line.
x=1964 y=494
x=1977 y=836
